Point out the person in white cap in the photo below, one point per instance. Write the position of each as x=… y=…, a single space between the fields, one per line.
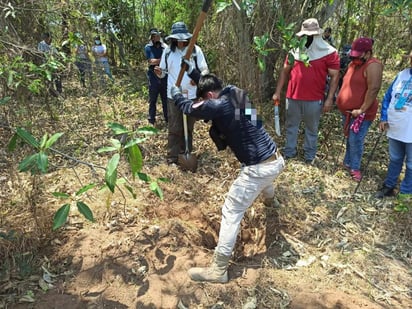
x=305 y=95
x=170 y=65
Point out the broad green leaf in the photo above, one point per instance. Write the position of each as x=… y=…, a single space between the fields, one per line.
x=117 y=128
x=291 y=59
x=12 y=143
x=111 y=172
x=10 y=78
x=135 y=141
x=261 y=64
x=116 y=143
x=61 y=194
x=27 y=137
x=48 y=75
x=4 y=100
x=43 y=141
x=85 y=188
x=163 y=179
x=147 y=130
x=53 y=139
x=107 y=149
x=135 y=159
x=154 y=187
x=60 y=216
x=143 y=176
x=85 y=211
x=28 y=163
x=42 y=162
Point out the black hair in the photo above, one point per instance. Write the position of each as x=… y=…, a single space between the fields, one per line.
x=173 y=44
x=328 y=29
x=46 y=35
x=208 y=82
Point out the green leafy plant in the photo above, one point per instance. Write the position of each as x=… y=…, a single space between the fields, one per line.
x=403 y=202
x=291 y=42
x=128 y=144
x=62 y=213
x=38 y=162
x=260 y=46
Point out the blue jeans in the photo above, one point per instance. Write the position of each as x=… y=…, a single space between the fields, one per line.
x=104 y=66
x=310 y=111
x=398 y=153
x=157 y=86
x=355 y=144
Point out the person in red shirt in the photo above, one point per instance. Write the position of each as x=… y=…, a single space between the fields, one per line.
x=305 y=96
x=357 y=101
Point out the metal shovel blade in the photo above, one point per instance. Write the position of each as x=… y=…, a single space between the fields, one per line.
x=277 y=123
x=187 y=161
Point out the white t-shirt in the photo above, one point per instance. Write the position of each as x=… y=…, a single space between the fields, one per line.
x=174 y=61
x=99 y=50
x=400 y=120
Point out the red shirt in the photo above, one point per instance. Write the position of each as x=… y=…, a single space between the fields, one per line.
x=353 y=91
x=309 y=83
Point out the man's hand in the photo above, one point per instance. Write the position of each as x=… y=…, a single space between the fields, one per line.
x=187 y=65
x=174 y=91
x=159 y=72
x=275 y=96
x=327 y=105
x=356 y=112
x=383 y=125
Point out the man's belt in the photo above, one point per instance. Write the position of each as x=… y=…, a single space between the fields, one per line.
x=273 y=157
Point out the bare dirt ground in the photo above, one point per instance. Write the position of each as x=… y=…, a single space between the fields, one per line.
x=323 y=247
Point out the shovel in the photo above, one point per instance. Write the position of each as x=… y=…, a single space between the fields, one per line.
x=187 y=160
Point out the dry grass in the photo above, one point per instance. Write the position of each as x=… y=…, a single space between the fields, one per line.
x=353 y=242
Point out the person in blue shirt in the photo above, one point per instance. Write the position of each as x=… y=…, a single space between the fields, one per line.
x=157 y=86
x=396 y=120
x=234 y=125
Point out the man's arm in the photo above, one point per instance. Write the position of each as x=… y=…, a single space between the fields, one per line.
x=333 y=85
x=374 y=80
x=383 y=125
x=283 y=78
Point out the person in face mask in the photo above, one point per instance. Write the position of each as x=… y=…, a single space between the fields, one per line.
x=157 y=86
x=305 y=76
x=99 y=51
x=357 y=101
x=169 y=68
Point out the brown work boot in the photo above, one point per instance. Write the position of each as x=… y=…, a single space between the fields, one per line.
x=215 y=273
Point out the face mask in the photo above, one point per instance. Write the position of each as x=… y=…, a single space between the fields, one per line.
x=157 y=44
x=358 y=61
x=309 y=40
x=97 y=42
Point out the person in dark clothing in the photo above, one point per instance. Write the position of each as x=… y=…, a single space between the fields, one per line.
x=234 y=126
x=157 y=86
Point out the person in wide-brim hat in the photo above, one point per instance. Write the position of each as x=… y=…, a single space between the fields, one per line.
x=310 y=27
x=179 y=32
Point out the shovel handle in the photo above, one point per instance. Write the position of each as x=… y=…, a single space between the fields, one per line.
x=199 y=23
x=276 y=102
